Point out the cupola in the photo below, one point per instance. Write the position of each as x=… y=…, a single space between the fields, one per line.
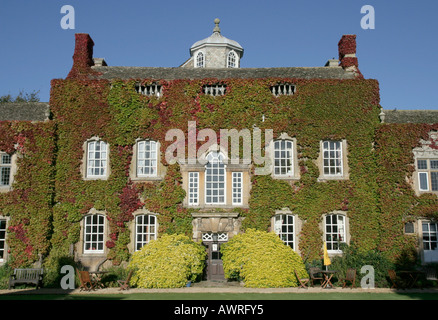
x=216 y=51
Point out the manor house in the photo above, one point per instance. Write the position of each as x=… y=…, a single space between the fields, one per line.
x=85 y=175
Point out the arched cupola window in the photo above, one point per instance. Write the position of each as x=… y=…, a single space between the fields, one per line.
x=232 y=60
x=200 y=60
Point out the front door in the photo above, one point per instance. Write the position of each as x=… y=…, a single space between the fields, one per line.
x=215 y=269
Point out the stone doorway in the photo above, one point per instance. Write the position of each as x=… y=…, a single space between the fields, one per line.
x=214 y=265
x=214 y=229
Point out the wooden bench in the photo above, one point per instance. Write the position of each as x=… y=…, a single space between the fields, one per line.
x=26 y=276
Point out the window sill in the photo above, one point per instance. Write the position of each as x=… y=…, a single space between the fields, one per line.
x=147 y=178
x=93 y=253
x=4 y=189
x=331 y=178
x=292 y=178
x=426 y=192
x=95 y=178
x=235 y=206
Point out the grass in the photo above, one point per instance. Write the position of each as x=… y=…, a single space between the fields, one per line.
x=227 y=296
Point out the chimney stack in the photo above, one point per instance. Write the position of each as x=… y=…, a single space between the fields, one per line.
x=83 y=56
x=347 y=54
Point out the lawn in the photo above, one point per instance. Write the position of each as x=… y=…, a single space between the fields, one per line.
x=229 y=296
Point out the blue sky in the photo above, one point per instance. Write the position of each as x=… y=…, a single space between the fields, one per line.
x=401 y=52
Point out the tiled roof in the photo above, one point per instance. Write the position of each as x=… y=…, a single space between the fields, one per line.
x=24 y=111
x=411 y=116
x=125 y=73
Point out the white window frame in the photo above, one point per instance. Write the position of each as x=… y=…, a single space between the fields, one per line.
x=288 y=155
x=215 y=159
x=237 y=188
x=5 y=169
x=427 y=171
x=3 y=250
x=94 y=233
x=427 y=181
x=335 y=234
x=145 y=230
x=337 y=157
x=285 y=228
x=432 y=242
x=193 y=188
x=232 y=59
x=151 y=162
x=91 y=159
x=197 y=60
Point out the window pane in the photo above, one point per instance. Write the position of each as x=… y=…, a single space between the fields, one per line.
x=97 y=157
x=2 y=237
x=284 y=227
x=147 y=158
x=5 y=175
x=422 y=177
x=422 y=164
x=194 y=188
x=145 y=230
x=237 y=188
x=429 y=235
x=94 y=233
x=332 y=158
x=434 y=180
x=5 y=159
x=335 y=231
x=283 y=161
x=215 y=171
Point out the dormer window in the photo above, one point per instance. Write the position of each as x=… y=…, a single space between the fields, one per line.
x=284 y=89
x=214 y=90
x=200 y=60
x=149 y=90
x=232 y=60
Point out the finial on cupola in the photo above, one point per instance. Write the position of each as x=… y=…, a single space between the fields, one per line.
x=216 y=28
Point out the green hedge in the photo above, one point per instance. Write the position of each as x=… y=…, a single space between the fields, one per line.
x=168 y=262
x=261 y=259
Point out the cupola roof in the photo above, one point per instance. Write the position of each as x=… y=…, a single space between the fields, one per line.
x=217 y=39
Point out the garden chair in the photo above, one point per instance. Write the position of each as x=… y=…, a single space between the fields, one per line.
x=85 y=280
x=124 y=284
x=303 y=281
x=313 y=272
x=350 y=276
x=396 y=280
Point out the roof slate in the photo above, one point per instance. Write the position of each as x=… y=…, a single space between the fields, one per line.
x=125 y=73
x=411 y=116
x=25 y=111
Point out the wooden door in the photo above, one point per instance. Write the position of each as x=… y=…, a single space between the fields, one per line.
x=215 y=269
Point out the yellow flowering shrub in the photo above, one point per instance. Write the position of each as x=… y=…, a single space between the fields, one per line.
x=168 y=262
x=261 y=260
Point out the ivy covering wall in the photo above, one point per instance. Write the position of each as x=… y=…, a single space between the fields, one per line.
x=28 y=205
x=117 y=114
x=398 y=202
x=50 y=196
